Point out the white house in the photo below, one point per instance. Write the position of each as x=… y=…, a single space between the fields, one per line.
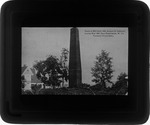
x=30 y=77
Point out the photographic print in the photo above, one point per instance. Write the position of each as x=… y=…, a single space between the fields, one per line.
x=74 y=61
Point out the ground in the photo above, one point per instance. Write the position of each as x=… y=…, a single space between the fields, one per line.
x=74 y=91
x=84 y=90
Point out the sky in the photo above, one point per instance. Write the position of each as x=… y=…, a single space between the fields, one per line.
x=38 y=43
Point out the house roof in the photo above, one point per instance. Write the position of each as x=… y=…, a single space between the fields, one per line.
x=23 y=68
x=34 y=79
x=27 y=71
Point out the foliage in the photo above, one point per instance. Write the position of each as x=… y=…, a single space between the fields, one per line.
x=36 y=88
x=97 y=87
x=27 y=92
x=64 y=66
x=102 y=70
x=53 y=71
x=122 y=77
x=84 y=85
x=121 y=86
x=64 y=57
x=66 y=91
x=22 y=81
x=47 y=70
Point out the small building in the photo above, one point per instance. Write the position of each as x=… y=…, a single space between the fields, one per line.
x=30 y=77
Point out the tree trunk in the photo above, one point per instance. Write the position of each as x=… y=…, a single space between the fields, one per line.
x=103 y=85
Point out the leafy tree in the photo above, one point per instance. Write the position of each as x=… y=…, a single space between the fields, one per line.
x=63 y=61
x=48 y=70
x=64 y=57
x=102 y=70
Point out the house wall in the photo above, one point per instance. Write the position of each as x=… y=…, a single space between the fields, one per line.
x=27 y=77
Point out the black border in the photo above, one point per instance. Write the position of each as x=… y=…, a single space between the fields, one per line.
x=75 y=109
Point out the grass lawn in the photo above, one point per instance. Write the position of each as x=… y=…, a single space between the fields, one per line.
x=73 y=91
x=84 y=90
x=66 y=91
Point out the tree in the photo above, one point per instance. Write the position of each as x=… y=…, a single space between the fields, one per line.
x=53 y=71
x=48 y=70
x=64 y=57
x=102 y=70
x=121 y=85
x=63 y=61
x=122 y=77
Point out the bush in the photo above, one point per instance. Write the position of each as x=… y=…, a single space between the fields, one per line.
x=59 y=91
x=120 y=88
x=22 y=84
x=36 y=88
x=27 y=92
x=97 y=87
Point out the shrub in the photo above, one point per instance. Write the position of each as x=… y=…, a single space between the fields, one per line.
x=97 y=87
x=36 y=88
x=27 y=92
